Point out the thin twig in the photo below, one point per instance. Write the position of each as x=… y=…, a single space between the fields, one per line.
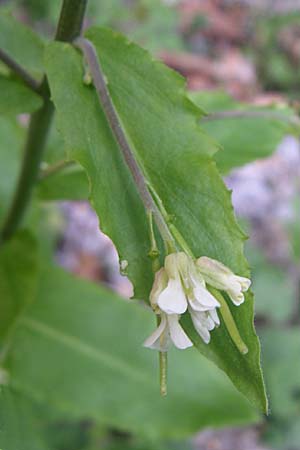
x=55 y=168
x=246 y=114
x=22 y=73
x=116 y=127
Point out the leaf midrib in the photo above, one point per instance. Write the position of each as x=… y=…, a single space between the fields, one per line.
x=87 y=350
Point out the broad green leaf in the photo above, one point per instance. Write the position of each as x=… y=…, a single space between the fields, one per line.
x=78 y=348
x=15 y=98
x=20 y=428
x=162 y=125
x=21 y=43
x=18 y=279
x=243 y=139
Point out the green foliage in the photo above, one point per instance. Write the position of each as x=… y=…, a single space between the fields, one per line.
x=161 y=124
x=21 y=43
x=281 y=349
x=68 y=184
x=276 y=61
x=17 y=98
x=11 y=137
x=273 y=288
x=243 y=139
x=18 y=279
x=71 y=350
x=20 y=427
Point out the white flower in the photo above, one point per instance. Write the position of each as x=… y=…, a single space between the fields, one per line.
x=169 y=330
x=204 y=322
x=179 y=286
x=221 y=277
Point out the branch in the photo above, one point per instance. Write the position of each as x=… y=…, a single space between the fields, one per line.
x=69 y=27
x=244 y=114
x=117 y=130
x=55 y=168
x=22 y=73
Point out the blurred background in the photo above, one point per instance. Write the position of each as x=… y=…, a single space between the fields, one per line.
x=231 y=52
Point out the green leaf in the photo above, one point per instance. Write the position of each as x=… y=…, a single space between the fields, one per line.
x=68 y=184
x=21 y=43
x=78 y=348
x=19 y=424
x=15 y=98
x=162 y=125
x=18 y=279
x=243 y=139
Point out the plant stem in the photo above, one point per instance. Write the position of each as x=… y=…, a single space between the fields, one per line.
x=22 y=73
x=70 y=20
x=163 y=370
x=244 y=114
x=116 y=127
x=55 y=168
x=229 y=321
x=69 y=27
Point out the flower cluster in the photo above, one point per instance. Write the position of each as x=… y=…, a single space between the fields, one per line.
x=180 y=286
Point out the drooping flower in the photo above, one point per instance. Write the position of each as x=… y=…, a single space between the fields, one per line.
x=177 y=287
x=221 y=277
x=169 y=330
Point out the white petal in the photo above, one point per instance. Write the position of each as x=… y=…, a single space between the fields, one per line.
x=214 y=315
x=178 y=336
x=159 y=339
x=159 y=284
x=200 y=328
x=172 y=300
x=244 y=282
x=235 y=293
x=203 y=300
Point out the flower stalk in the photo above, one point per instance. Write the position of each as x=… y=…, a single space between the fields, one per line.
x=229 y=322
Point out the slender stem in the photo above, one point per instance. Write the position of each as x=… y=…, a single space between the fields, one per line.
x=229 y=321
x=22 y=73
x=69 y=27
x=36 y=138
x=55 y=168
x=116 y=127
x=163 y=370
x=181 y=241
x=243 y=114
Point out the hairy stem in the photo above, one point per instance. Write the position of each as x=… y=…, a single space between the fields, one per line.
x=22 y=73
x=116 y=127
x=69 y=27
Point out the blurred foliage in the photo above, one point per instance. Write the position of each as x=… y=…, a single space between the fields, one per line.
x=154 y=25
x=276 y=50
x=273 y=288
x=151 y=23
x=243 y=138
